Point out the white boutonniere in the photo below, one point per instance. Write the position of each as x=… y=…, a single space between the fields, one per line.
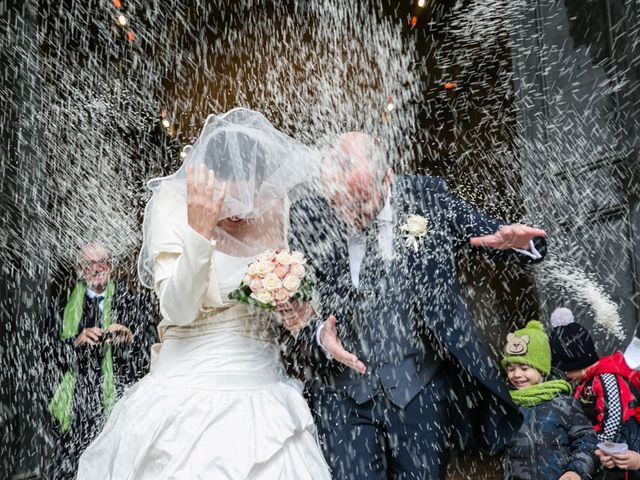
x=415 y=228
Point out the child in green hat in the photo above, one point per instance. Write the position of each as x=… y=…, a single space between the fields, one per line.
x=555 y=441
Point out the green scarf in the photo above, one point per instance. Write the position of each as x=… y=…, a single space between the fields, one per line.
x=61 y=405
x=542 y=392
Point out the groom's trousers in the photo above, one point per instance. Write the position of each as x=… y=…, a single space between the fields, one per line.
x=377 y=440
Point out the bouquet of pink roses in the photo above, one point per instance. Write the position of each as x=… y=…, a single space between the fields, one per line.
x=275 y=278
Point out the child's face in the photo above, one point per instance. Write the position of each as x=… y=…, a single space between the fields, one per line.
x=575 y=376
x=523 y=376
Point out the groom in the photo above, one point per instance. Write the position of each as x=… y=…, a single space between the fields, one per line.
x=399 y=371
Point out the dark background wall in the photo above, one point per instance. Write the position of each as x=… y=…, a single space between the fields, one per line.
x=576 y=66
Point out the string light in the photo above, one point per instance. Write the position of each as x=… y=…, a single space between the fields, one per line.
x=414 y=21
x=123 y=21
x=422 y=3
x=449 y=85
x=166 y=123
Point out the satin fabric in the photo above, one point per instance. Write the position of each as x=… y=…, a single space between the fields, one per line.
x=214 y=407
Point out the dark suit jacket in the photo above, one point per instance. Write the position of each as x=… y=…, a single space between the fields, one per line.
x=424 y=300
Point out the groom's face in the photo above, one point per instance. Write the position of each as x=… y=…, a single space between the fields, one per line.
x=357 y=193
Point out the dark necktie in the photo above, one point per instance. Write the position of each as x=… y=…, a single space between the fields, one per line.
x=94 y=315
x=373 y=266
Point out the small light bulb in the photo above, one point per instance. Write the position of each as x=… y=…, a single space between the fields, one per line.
x=390 y=107
x=166 y=123
x=122 y=20
x=422 y=3
x=183 y=154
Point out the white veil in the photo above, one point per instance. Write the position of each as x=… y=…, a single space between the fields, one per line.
x=260 y=164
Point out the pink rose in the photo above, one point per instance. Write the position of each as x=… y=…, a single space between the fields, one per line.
x=281 y=295
x=272 y=282
x=283 y=257
x=263 y=296
x=298 y=257
x=256 y=284
x=253 y=269
x=263 y=268
x=291 y=283
x=297 y=269
x=281 y=271
x=267 y=256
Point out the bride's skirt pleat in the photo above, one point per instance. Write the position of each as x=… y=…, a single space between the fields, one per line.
x=164 y=429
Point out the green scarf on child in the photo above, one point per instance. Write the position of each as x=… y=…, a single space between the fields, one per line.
x=542 y=392
x=61 y=405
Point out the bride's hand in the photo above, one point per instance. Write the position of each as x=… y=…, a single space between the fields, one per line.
x=332 y=344
x=295 y=315
x=203 y=208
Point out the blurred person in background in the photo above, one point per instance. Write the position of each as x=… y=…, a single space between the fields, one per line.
x=97 y=339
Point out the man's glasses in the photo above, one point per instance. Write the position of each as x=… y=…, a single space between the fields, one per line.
x=104 y=262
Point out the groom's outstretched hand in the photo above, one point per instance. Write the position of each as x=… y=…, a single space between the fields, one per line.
x=332 y=344
x=509 y=236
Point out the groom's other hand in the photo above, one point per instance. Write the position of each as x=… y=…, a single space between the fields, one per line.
x=332 y=344
x=295 y=315
x=509 y=236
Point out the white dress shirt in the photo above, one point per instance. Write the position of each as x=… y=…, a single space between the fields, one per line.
x=357 y=242
x=92 y=294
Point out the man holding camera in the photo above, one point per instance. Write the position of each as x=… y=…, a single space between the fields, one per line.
x=88 y=357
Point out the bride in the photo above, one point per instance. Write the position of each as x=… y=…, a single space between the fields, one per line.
x=217 y=403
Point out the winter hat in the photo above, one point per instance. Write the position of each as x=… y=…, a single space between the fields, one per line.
x=572 y=347
x=528 y=346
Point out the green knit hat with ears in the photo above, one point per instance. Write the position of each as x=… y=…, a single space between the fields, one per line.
x=529 y=346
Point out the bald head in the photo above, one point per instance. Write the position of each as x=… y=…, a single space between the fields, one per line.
x=95 y=266
x=356 y=151
x=356 y=176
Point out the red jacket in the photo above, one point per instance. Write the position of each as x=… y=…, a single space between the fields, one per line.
x=608 y=394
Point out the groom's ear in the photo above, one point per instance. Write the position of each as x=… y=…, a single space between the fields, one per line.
x=388 y=178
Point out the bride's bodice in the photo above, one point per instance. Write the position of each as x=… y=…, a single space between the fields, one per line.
x=228 y=343
x=224 y=315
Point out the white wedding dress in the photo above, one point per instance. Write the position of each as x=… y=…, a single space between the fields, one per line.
x=217 y=403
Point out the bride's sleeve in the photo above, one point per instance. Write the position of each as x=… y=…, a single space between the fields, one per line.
x=181 y=279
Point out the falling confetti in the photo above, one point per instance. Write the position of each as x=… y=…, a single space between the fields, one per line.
x=539 y=126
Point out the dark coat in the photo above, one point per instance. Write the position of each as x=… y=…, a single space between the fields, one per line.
x=426 y=291
x=555 y=437
x=130 y=362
